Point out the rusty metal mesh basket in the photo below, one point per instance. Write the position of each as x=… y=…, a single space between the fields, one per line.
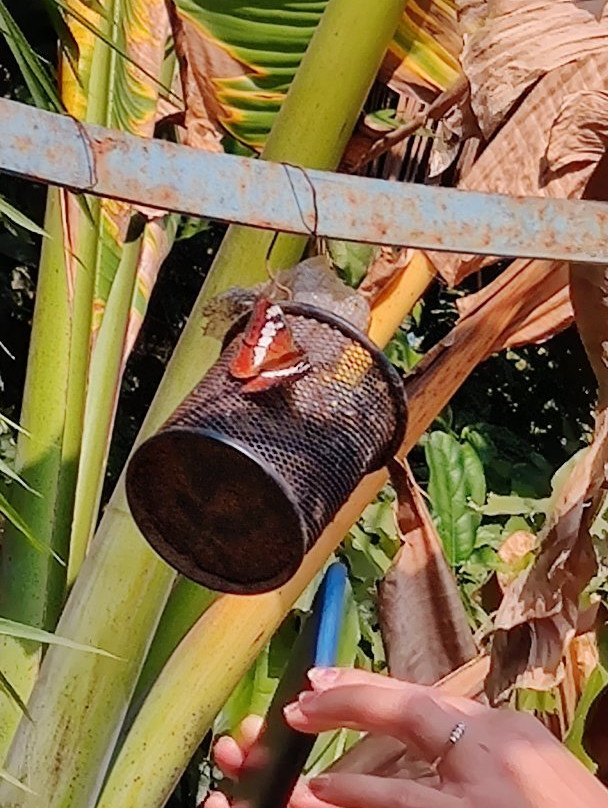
x=235 y=488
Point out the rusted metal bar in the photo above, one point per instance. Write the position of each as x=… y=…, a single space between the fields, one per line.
x=58 y=150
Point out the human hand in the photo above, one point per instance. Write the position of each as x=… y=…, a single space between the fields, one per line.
x=504 y=759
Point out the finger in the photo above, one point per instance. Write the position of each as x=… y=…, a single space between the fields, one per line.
x=330 y=678
x=303 y=797
x=248 y=731
x=326 y=678
x=412 y=714
x=367 y=791
x=229 y=756
x=230 y=753
x=216 y=800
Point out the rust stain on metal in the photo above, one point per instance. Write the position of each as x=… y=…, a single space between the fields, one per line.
x=23 y=143
x=54 y=149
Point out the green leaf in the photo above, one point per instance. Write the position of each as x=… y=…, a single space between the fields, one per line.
x=386 y=118
x=574 y=740
x=9 y=628
x=6 y=209
x=489 y=536
x=16 y=519
x=4 y=775
x=35 y=73
x=95 y=6
x=483 y=559
x=351 y=259
x=456 y=482
x=12 y=475
x=263 y=44
x=350 y=633
x=403 y=350
x=10 y=691
x=83 y=20
x=379 y=516
x=254 y=692
x=537 y=701
x=328 y=747
x=513 y=524
x=498 y=505
x=371 y=558
x=510 y=463
x=6 y=420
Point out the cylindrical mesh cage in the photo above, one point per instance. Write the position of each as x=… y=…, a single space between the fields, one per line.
x=236 y=487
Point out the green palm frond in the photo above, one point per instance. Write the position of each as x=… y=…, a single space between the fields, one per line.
x=242 y=58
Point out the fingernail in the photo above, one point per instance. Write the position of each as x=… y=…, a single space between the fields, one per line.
x=323 y=677
x=291 y=708
x=306 y=698
x=318 y=785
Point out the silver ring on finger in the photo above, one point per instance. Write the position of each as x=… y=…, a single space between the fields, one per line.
x=455 y=735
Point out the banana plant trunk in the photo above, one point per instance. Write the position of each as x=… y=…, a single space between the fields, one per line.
x=79 y=702
x=79 y=262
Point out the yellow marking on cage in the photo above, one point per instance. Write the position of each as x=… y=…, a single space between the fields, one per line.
x=353 y=365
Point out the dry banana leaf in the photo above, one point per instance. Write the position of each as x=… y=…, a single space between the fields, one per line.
x=422 y=619
x=539 y=615
x=548 y=312
x=384 y=270
x=549 y=147
x=510 y=44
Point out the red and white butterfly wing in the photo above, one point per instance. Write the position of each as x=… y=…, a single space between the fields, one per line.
x=268 y=355
x=267 y=340
x=295 y=367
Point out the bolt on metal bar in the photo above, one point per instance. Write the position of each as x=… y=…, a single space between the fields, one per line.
x=58 y=150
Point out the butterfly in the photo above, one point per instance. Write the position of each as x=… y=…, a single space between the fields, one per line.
x=268 y=355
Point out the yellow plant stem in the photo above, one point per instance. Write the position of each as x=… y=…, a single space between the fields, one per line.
x=399 y=299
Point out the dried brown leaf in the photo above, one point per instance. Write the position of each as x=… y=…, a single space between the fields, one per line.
x=589 y=292
x=147 y=53
x=444 y=368
x=201 y=60
x=539 y=614
x=515 y=548
x=581 y=659
x=549 y=310
x=386 y=267
x=368 y=136
x=422 y=619
x=516 y=162
x=436 y=25
x=510 y=44
x=595 y=736
x=371 y=141
x=579 y=133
